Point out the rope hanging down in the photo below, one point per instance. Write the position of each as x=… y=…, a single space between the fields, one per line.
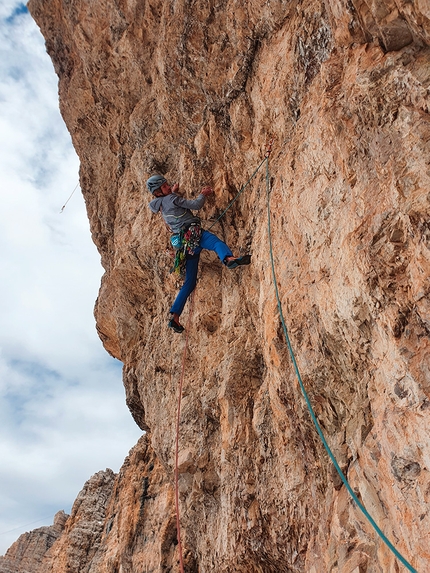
x=71 y=195
x=178 y=420
x=306 y=397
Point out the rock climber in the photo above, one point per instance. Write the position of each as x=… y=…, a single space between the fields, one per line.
x=176 y=212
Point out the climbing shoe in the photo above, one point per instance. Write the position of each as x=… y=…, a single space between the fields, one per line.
x=175 y=326
x=233 y=263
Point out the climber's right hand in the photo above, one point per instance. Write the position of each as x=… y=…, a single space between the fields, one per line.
x=207 y=191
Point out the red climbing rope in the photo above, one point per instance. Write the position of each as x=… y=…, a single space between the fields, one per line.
x=184 y=356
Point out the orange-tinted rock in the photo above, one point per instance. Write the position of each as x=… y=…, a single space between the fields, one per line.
x=195 y=91
x=28 y=553
x=120 y=523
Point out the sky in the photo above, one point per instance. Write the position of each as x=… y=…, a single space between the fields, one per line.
x=62 y=404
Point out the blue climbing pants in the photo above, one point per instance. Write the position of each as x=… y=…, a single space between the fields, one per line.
x=210 y=242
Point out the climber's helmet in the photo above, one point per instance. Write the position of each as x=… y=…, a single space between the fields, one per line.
x=155 y=182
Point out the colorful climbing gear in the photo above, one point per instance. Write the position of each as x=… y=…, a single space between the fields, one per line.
x=176 y=241
x=189 y=240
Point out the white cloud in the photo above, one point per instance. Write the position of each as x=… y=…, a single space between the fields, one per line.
x=62 y=408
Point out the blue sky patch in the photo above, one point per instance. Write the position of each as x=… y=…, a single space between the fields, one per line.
x=33 y=369
x=18 y=11
x=62 y=410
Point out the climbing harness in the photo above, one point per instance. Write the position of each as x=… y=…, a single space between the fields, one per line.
x=187 y=241
x=178 y=420
x=305 y=394
x=297 y=372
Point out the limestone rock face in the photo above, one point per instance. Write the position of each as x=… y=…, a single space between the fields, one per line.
x=121 y=522
x=80 y=541
x=194 y=90
x=28 y=553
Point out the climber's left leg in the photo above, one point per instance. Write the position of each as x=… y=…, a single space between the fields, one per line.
x=211 y=242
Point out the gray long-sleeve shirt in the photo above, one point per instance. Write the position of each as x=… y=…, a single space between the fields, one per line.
x=176 y=210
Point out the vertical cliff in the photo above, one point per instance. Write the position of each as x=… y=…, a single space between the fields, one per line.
x=194 y=89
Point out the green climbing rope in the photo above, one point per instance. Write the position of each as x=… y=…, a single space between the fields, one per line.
x=296 y=369
x=306 y=397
